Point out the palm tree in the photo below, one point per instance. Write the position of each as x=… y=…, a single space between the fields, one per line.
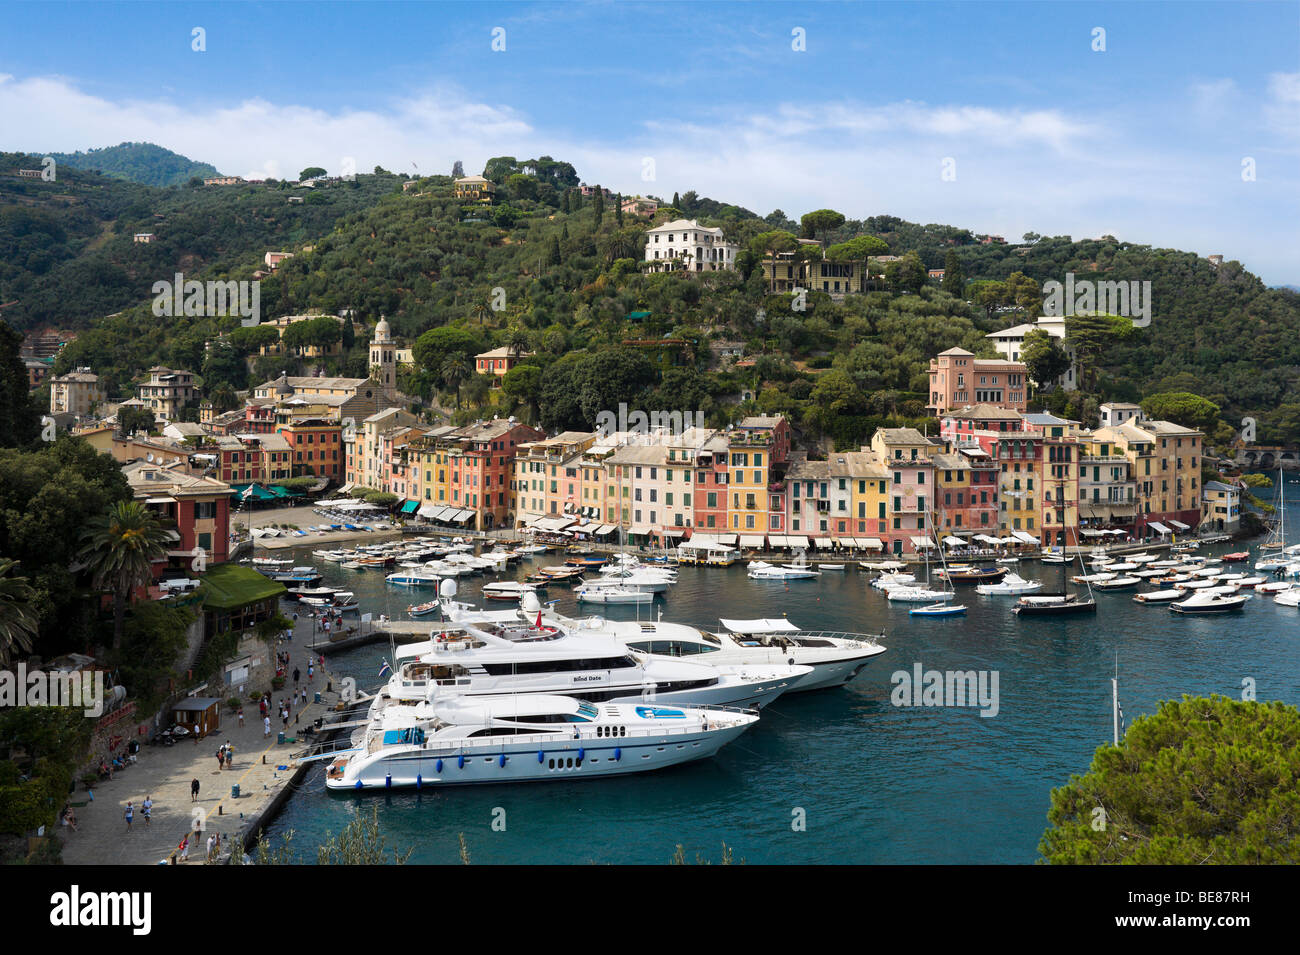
x=455 y=370
x=120 y=549
x=18 y=620
x=479 y=311
x=517 y=341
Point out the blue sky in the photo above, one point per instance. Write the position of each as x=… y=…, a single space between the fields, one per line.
x=1144 y=140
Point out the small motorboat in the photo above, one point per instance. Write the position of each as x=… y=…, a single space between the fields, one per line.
x=1054 y=604
x=973 y=575
x=422 y=610
x=883 y=565
x=1007 y=560
x=1274 y=587
x=762 y=570
x=1054 y=559
x=830 y=567
x=413 y=578
x=1210 y=603
x=594 y=594
x=917 y=595
x=508 y=590
x=1158 y=597
x=1121 y=582
x=1012 y=585
x=938 y=610
x=888 y=580
x=1288 y=598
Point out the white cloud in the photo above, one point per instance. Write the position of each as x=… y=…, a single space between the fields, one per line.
x=1049 y=170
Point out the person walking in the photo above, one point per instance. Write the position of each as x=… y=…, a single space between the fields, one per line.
x=230 y=755
x=146 y=810
x=194 y=791
x=185 y=847
x=212 y=841
x=266 y=726
x=130 y=814
x=310 y=670
x=221 y=757
x=241 y=717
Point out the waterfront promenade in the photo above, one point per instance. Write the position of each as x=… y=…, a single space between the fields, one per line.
x=165 y=774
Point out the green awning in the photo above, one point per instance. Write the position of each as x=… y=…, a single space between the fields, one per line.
x=410 y=506
x=229 y=586
x=638 y=316
x=278 y=491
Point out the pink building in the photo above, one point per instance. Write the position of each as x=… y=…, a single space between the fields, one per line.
x=958 y=378
x=905 y=453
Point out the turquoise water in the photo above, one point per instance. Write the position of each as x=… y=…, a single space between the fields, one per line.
x=876 y=783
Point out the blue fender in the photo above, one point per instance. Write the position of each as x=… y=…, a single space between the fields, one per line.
x=501 y=760
x=438 y=766
x=618 y=753
x=541 y=757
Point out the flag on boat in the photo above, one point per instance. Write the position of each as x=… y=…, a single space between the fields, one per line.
x=385 y=669
x=538 y=625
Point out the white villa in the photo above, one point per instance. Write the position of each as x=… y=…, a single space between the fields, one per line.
x=1010 y=341
x=685 y=245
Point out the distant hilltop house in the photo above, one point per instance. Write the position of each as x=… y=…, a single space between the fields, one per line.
x=1215 y=260
x=786 y=272
x=498 y=361
x=306 y=351
x=143 y=238
x=75 y=393
x=992 y=240
x=273 y=259
x=1010 y=341
x=474 y=189
x=224 y=181
x=684 y=245
x=589 y=192
x=29 y=174
x=166 y=392
x=295 y=200
x=935 y=274
x=640 y=206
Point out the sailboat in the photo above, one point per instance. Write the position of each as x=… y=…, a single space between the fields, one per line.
x=1276 y=540
x=1065 y=602
x=940 y=609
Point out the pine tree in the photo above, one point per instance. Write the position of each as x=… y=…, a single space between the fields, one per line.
x=564 y=205
x=618 y=208
x=598 y=203
x=564 y=232
x=954 y=279
x=554 y=255
x=677 y=201
x=458 y=170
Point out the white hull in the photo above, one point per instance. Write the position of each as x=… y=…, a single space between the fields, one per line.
x=410 y=766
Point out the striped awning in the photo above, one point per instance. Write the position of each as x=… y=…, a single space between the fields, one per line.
x=922 y=542
x=1025 y=538
x=749 y=540
x=796 y=540
x=954 y=542
x=1159 y=528
x=605 y=529
x=1180 y=525
x=873 y=543
x=824 y=542
x=728 y=539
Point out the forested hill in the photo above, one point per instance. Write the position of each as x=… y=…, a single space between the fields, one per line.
x=66 y=250
x=144 y=163
x=568 y=271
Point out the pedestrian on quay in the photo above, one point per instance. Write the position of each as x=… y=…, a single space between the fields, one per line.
x=146 y=810
x=310 y=671
x=212 y=841
x=230 y=755
x=130 y=814
x=221 y=757
x=184 y=846
x=284 y=717
x=295 y=677
x=241 y=717
x=266 y=726
x=194 y=791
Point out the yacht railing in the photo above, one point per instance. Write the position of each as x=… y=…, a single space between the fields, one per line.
x=867 y=638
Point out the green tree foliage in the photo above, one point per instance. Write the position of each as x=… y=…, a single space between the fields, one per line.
x=1200 y=781
x=817 y=223
x=19 y=420
x=132 y=419
x=153 y=638
x=19 y=620
x=857 y=249
x=311 y=172
x=120 y=549
x=250 y=341
x=908 y=274
x=954 y=278
x=432 y=349
x=1043 y=357
x=1182 y=407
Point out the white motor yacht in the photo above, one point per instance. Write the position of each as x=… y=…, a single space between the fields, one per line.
x=835 y=658
x=1208 y=602
x=762 y=570
x=917 y=595
x=1010 y=585
x=453 y=741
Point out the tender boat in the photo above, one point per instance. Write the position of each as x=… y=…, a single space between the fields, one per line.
x=1210 y=603
x=454 y=741
x=882 y=565
x=1288 y=598
x=938 y=610
x=422 y=610
x=894 y=579
x=972 y=575
x=917 y=595
x=1158 y=596
x=1236 y=558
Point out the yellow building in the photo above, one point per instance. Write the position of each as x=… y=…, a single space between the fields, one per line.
x=475 y=189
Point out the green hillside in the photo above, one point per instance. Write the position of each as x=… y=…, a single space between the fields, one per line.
x=552 y=273
x=144 y=163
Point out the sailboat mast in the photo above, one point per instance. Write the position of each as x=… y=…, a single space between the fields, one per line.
x=1114 y=707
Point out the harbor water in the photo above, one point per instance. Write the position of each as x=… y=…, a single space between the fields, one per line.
x=842 y=775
